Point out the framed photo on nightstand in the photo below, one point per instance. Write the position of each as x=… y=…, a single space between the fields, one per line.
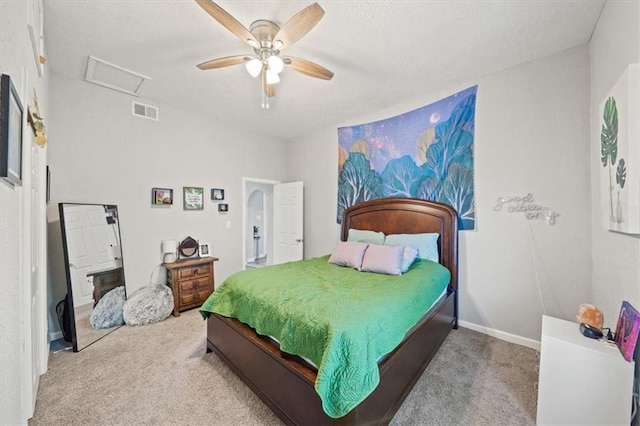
x=204 y=250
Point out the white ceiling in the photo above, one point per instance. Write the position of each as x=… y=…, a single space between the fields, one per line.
x=381 y=52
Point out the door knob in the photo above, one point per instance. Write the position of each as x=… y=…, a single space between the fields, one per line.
x=298 y=240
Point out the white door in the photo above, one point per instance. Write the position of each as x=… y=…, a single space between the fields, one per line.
x=288 y=222
x=35 y=340
x=88 y=242
x=38 y=303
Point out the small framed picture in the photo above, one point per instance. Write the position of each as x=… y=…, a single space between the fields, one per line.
x=193 y=198
x=223 y=207
x=162 y=196
x=10 y=132
x=217 y=194
x=204 y=250
x=48 y=184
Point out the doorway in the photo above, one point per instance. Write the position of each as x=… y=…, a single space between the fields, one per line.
x=257 y=222
x=272 y=222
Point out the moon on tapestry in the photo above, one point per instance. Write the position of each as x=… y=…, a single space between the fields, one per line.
x=426 y=153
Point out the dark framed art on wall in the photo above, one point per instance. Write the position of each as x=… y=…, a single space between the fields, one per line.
x=162 y=196
x=217 y=194
x=10 y=132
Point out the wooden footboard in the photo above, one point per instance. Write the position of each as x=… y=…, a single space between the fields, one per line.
x=287 y=386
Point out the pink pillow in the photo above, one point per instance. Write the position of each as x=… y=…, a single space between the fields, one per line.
x=348 y=253
x=383 y=259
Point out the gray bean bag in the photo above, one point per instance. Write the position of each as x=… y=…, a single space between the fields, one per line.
x=149 y=304
x=108 y=311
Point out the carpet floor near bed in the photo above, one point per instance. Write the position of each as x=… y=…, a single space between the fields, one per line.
x=159 y=374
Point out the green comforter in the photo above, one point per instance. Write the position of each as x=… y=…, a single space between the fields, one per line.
x=341 y=319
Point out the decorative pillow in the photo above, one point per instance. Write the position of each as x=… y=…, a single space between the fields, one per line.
x=383 y=259
x=108 y=311
x=409 y=255
x=148 y=304
x=348 y=253
x=426 y=244
x=363 y=236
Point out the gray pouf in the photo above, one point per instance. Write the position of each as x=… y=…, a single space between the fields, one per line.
x=108 y=311
x=148 y=304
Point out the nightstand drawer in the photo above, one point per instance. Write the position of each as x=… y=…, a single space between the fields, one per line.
x=204 y=292
x=201 y=270
x=197 y=283
x=187 y=297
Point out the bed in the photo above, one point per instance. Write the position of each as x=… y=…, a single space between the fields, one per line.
x=285 y=382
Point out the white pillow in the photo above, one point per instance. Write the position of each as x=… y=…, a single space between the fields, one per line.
x=383 y=259
x=348 y=253
x=409 y=256
x=426 y=244
x=364 y=236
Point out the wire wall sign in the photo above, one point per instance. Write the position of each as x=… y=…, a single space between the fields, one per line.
x=527 y=206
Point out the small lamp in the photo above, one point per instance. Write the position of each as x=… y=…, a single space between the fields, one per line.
x=169 y=251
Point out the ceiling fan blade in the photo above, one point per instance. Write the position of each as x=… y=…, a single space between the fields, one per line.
x=308 y=68
x=223 y=62
x=299 y=25
x=227 y=21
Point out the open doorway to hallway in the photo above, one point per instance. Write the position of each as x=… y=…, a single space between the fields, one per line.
x=257 y=222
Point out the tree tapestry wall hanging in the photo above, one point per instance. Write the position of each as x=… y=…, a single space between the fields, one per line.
x=426 y=153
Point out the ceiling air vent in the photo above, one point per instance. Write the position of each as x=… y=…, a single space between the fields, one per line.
x=144 y=111
x=114 y=77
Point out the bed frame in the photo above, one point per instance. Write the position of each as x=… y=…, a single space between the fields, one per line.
x=286 y=383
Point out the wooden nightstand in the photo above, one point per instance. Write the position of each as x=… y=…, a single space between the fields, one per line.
x=191 y=281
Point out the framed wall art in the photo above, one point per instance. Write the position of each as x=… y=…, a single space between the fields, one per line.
x=193 y=198
x=10 y=132
x=162 y=196
x=217 y=194
x=35 y=24
x=48 y=185
x=223 y=207
x=619 y=156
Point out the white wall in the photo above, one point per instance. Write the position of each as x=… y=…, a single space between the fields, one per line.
x=100 y=153
x=16 y=60
x=532 y=135
x=616 y=257
x=616 y=265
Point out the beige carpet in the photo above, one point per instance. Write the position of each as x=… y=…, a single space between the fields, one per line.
x=159 y=374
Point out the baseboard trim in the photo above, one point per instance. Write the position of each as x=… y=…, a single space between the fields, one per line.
x=55 y=336
x=502 y=335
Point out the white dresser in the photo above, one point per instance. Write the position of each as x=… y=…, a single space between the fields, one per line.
x=582 y=381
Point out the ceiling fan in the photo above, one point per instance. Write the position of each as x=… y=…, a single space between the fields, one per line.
x=267 y=40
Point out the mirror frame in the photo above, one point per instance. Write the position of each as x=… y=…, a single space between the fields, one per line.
x=65 y=251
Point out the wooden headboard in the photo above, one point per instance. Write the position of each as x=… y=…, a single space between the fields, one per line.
x=409 y=216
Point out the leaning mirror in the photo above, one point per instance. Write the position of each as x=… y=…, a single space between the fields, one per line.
x=93 y=257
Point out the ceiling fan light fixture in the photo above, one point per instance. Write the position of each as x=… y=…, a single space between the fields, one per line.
x=254 y=66
x=277 y=45
x=272 y=77
x=275 y=64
